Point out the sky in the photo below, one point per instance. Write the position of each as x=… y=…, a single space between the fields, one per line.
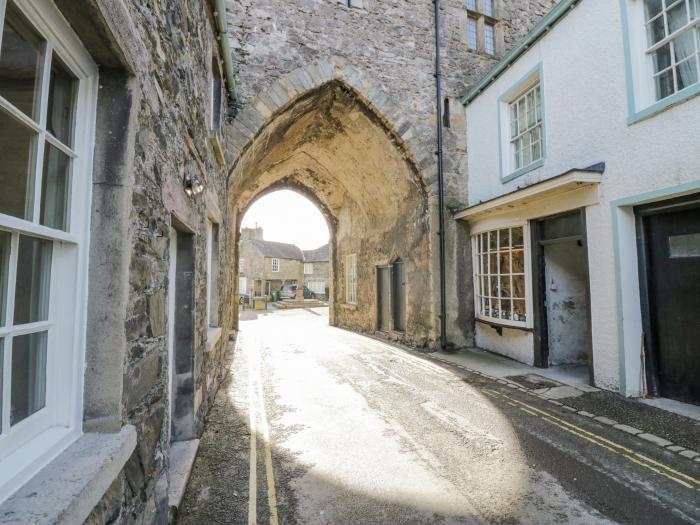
x=287 y=216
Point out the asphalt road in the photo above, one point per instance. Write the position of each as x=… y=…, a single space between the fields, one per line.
x=343 y=428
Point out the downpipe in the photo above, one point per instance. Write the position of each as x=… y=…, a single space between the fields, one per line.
x=441 y=185
x=225 y=47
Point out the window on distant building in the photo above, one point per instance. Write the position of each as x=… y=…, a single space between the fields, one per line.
x=308 y=268
x=472 y=41
x=664 y=53
x=275 y=265
x=47 y=86
x=526 y=128
x=483 y=32
x=351 y=279
x=499 y=275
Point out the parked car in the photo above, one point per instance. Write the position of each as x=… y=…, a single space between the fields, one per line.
x=289 y=292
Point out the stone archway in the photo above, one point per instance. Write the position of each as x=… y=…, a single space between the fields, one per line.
x=321 y=128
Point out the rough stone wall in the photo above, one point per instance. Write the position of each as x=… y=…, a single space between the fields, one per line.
x=162 y=49
x=391 y=43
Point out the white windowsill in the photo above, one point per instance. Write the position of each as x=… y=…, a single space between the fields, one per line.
x=213 y=336
x=68 y=488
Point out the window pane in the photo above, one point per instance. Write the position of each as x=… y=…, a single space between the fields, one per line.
x=471 y=4
x=687 y=73
x=28 y=375
x=505 y=286
x=5 y=239
x=527 y=155
x=471 y=33
x=684 y=46
x=517 y=234
x=694 y=9
x=656 y=30
x=492 y=241
x=55 y=188
x=653 y=8
x=20 y=62
x=519 y=286
x=33 y=280
x=519 y=311
x=513 y=121
x=504 y=238
x=531 y=109
x=662 y=58
x=518 y=265
x=493 y=263
x=62 y=92
x=536 y=150
x=488 y=7
x=489 y=39
x=677 y=17
x=17 y=167
x=664 y=84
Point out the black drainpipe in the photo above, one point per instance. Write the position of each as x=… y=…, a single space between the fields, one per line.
x=441 y=190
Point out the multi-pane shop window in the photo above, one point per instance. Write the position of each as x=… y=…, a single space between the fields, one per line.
x=47 y=85
x=351 y=279
x=500 y=275
x=275 y=265
x=526 y=128
x=673 y=40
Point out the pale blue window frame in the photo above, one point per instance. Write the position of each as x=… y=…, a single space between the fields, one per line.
x=503 y=102
x=635 y=115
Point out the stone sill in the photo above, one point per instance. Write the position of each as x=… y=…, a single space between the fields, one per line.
x=213 y=336
x=69 y=488
x=348 y=306
x=182 y=456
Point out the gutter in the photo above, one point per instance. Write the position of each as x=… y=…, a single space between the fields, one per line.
x=441 y=185
x=541 y=28
x=225 y=47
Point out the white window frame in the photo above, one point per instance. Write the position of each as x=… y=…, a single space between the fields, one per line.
x=514 y=108
x=308 y=268
x=275 y=264
x=642 y=102
x=351 y=278
x=528 y=323
x=33 y=442
x=508 y=170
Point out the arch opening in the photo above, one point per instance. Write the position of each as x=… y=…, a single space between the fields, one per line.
x=330 y=146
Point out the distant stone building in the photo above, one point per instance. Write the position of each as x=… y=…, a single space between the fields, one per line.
x=265 y=266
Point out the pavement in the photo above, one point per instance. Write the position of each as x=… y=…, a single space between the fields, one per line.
x=318 y=425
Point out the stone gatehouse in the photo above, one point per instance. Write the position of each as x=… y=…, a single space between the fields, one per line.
x=138 y=156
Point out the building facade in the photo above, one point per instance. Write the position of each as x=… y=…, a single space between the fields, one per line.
x=584 y=196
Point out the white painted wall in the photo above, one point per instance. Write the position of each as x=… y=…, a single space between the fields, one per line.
x=585 y=100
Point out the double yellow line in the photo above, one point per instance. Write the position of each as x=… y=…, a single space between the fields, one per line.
x=611 y=446
x=256 y=406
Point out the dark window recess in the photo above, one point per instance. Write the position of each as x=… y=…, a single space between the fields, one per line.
x=446 y=113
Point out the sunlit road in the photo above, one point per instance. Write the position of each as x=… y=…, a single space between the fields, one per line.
x=347 y=429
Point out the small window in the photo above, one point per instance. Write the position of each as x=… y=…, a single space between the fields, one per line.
x=212 y=273
x=489 y=39
x=500 y=275
x=215 y=96
x=351 y=279
x=241 y=264
x=673 y=44
x=471 y=33
x=526 y=128
x=308 y=268
x=275 y=265
x=488 y=7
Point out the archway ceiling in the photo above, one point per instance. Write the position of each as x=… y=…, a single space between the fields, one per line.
x=331 y=144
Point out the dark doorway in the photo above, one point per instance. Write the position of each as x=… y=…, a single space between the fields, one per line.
x=398 y=295
x=562 y=305
x=181 y=334
x=669 y=246
x=384 y=303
